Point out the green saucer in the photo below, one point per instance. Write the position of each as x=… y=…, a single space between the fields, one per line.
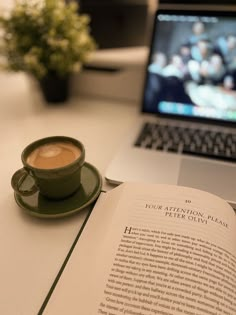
x=39 y=206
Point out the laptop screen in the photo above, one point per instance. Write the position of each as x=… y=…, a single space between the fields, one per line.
x=192 y=66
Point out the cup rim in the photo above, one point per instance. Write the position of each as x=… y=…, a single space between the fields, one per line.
x=30 y=147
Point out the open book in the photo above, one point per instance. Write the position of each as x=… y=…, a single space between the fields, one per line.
x=152 y=249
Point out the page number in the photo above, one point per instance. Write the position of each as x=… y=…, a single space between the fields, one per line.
x=187 y=201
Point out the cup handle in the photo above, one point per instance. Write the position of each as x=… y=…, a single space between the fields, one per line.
x=17 y=181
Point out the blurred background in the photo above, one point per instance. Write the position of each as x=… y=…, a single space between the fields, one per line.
x=127 y=23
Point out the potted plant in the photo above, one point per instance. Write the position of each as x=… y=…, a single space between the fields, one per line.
x=48 y=39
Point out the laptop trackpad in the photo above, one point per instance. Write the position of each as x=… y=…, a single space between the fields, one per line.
x=214 y=177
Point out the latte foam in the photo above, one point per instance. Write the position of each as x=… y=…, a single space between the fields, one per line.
x=53 y=155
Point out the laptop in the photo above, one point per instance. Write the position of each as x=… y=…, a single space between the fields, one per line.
x=185 y=133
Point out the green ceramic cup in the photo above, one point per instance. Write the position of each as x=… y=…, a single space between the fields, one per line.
x=59 y=179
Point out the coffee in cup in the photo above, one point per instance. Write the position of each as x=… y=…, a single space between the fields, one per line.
x=53 y=155
x=54 y=163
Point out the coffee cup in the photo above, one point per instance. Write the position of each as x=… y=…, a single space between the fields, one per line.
x=53 y=166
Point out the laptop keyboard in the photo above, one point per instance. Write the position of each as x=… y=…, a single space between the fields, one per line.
x=198 y=142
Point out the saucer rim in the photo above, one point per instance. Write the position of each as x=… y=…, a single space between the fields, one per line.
x=94 y=196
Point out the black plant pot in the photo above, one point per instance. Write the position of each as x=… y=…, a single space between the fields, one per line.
x=55 y=89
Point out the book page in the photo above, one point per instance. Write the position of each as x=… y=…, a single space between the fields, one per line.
x=164 y=250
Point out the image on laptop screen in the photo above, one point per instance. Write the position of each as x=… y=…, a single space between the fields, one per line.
x=192 y=66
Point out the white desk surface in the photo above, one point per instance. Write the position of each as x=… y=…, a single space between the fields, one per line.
x=33 y=250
